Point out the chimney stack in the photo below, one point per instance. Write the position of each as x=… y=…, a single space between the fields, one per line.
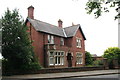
x=73 y=24
x=31 y=12
x=60 y=23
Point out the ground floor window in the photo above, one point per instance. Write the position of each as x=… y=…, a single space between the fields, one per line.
x=51 y=58
x=56 y=58
x=79 y=59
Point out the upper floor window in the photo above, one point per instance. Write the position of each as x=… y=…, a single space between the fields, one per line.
x=78 y=42
x=61 y=41
x=79 y=59
x=50 y=39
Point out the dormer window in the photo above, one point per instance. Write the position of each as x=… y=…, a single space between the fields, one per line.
x=61 y=41
x=50 y=39
x=78 y=42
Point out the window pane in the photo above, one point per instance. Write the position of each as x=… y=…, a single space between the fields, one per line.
x=58 y=53
x=77 y=60
x=62 y=41
x=62 y=60
x=51 y=54
x=51 y=61
x=80 y=60
x=62 y=53
x=48 y=38
x=56 y=60
x=52 y=39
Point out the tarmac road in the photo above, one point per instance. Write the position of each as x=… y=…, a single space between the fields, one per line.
x=98 y=77
x=86 y=75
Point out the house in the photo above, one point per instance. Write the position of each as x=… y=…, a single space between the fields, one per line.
x=55 y=46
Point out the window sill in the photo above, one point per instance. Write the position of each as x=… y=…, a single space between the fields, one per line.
x=57 y=65
x=79 y=63
x=79 y=47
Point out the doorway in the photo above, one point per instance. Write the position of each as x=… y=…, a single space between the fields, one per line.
x=69 y=59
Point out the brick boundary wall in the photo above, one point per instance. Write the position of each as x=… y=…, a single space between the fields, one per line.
x=72 y=69
x=55 y=70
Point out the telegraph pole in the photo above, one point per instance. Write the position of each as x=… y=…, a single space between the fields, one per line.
x=119 y=28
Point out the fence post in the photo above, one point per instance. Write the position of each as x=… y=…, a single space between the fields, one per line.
x=105 y=63
x=115 y=63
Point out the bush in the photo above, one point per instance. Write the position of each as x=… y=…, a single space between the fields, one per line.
x=111 y=54
x=88 y=58
x=98 y=63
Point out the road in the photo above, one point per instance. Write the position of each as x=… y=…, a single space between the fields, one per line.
x=98 y=77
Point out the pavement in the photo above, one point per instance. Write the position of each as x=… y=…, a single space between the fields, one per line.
x=62 y=75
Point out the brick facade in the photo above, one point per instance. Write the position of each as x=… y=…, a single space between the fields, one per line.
x=42 y=48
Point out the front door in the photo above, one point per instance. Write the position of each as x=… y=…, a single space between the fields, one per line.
x=69 y=59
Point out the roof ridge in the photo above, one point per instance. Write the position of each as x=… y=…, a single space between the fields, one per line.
x=72 y=26
x=47 y=23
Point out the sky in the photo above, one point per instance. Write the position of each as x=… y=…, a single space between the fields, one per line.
x=100 y=33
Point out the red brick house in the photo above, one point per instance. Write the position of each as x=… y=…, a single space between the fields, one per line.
x=56 y=46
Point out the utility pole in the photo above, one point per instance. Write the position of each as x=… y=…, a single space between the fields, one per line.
x=119 y=28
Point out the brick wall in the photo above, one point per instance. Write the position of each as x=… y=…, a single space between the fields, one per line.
x=54 y=70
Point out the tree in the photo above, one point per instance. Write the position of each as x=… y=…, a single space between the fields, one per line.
x=88 y=58
x=17 y=50
x=112 y=53
x=100 y=6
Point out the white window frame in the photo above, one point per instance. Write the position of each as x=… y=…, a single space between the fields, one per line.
x=62 y=41
x=51 y=56
x=78 y=42
x=59 y=56
x=79 y=58
x=51 y=39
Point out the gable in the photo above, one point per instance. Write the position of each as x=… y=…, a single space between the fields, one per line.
x=72 y=30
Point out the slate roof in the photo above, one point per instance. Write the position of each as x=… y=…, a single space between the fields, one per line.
x=52 y=29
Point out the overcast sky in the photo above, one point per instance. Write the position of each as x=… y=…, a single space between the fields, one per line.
x=100 y=33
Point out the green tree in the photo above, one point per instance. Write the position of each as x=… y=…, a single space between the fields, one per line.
x=88 y=58
x=112 y=53
x=99 y=6
x=17 y=50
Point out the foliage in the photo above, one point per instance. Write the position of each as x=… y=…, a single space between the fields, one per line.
x=17 y=50
x=99 y=6
x=112 y=53
x=88 y=58
x=98 y=62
